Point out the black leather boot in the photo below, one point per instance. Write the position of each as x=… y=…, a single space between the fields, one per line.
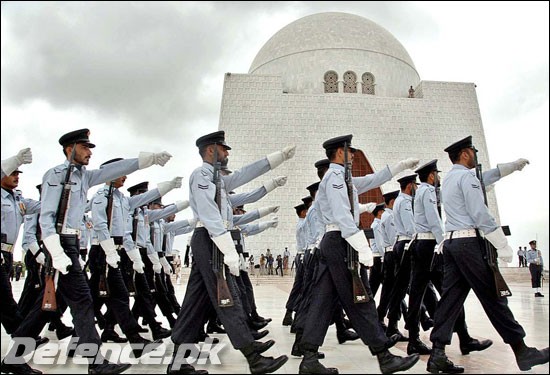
x=142 y=345
x=160 y=332
x=528 y=357
x=255 y=316
x=259 y=335
x=213 y=327
x=261 y=347
x=109 y=334
x=439 y=363
x=392 y=330
x=22 y=368
x=108 y=368
x=297 y=350
x=390 y=363
x=262 y=365
x=346 y=335
x=178 y=365
x=417 y=346
x=474 y=345
x=256 y=325
x=310 y=364
x=287 y=320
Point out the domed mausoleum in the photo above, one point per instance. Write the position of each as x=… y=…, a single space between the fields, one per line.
x=331 y=74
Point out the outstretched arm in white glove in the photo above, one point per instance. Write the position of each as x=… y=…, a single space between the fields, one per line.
x=359 y=242
x=60 y=260
x=402 y=165
x=166 y=186
x=227 y=247
x=277 y=158
x=268 y=210
x=275 y=183
x=147 y=159
x=508 y=168
x=11 y=164
x=268 y=224
x=367 y=207
x=499 y=241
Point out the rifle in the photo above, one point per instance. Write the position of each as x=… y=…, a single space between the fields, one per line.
x=104 y=291
x=224 y=294
x=360 y=294
x=502 y=288
x=132 y=291
x=49 y=302
x=437 y=259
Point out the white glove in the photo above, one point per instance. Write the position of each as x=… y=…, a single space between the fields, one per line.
x=409 y=163
x=135 y=257
x=60 y=260
x=269 y=224
x=154 y=257
x=109 y=248
x=40 y=259
x=34 y=248
x=165 y=266
x=277 y=158
x=367 y=207
x=82 y=264
x=227 y=247
x=507 y=168
x=268 y=210
x=11 y=164
x=499 y=241
x=359 y=242
x=181 y=205
x=242 y=263
x=192 y=222
x=275 y=183
x=146 y=159
x=439 y=247
x=166 y=186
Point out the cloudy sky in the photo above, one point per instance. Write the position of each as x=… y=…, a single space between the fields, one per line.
x=148 y=77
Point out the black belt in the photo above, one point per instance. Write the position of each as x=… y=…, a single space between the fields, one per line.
x=118 y=240
x=69 y=240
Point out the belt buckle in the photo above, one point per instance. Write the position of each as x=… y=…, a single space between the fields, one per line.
x=7 y=247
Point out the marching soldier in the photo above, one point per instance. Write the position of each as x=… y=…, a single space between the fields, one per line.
x=428 y=238
x=334 y=280
x=465 y=267
x=109 y=216
x=135 y=239
x=60 y=235
x=375 y=275
x=213 y=226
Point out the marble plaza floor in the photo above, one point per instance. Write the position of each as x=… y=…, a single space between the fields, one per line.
x=351 y=357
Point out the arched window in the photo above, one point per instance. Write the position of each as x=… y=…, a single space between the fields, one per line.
x=331 y=82
x=361 y=167
x=368 y=84
x=350 y=82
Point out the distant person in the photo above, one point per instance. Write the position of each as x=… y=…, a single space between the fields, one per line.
x=521 y=257
x=536 y=266
x=279 y=265
x=18 y=271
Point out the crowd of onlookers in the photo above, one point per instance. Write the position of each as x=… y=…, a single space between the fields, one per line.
x=268 y=264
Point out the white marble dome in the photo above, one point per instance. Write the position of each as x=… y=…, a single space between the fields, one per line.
x=303 y=51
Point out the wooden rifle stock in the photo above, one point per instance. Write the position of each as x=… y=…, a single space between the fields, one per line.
x=502 y=288
x=49 y=302
x=360 y=294
x=225 y=299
